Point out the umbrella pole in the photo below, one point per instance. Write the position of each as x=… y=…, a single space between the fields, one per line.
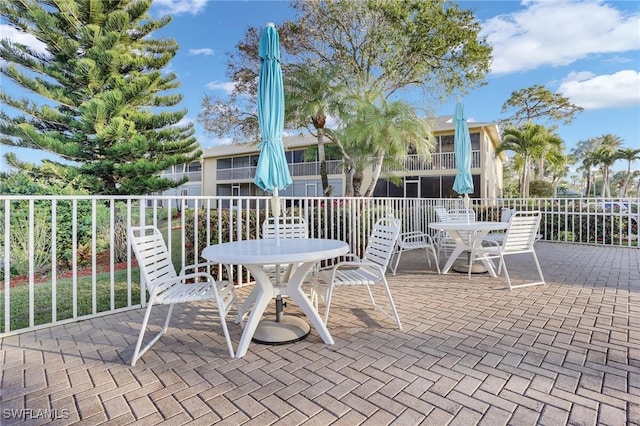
x=275 y=208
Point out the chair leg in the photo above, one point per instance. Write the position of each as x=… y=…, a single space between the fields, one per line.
x=327 y=304
x=506 y=272
x=542 y=281
x=225 y=330
x=393 y=306
x=373 y=300
x=435 y=258
x=137 y=353
x=426 y=249
x=397 y=261
x=535 y=258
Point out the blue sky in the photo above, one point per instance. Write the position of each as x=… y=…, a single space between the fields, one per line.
x=589 y=51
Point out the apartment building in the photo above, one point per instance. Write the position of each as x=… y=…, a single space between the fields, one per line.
x=230 y=170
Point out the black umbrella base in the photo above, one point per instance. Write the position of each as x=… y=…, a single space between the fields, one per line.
x=289 y=330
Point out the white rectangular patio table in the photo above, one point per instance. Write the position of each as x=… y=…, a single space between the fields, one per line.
x=464 y=234
x=254 y=254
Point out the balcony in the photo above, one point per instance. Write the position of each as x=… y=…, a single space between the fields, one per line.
x=191 y=176
x=440 y=161
x=443 y=161
x=311 y=168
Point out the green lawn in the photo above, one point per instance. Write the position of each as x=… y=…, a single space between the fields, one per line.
x=19 y=295
x=19 y=298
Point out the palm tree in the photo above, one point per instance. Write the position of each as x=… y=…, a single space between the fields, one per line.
x=549 y=150
x=630 y=155
x=309 y=96
x=606 y=154
x=584 y=152
x=525 y=142
x=387 y=130
x=558 y=170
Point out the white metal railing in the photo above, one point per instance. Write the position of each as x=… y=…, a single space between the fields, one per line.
x=65 y=258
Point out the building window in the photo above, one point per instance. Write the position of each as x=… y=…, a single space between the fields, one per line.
x=224 y=163
x=194 y=167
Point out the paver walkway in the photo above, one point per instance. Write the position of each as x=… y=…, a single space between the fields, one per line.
x=471 y=352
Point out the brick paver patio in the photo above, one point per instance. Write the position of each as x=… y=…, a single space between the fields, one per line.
x=471 y=352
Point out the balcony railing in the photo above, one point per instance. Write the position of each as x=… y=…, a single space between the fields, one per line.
x=438 y=161
x=410 y=163
x=311 y=168
x=66 y=258
x=191 y=176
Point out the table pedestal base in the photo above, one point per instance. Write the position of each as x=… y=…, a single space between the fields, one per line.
x=463 y=267
x=288 y=330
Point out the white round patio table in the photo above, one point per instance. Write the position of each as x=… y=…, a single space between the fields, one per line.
x=464 y=234
x=254 y=254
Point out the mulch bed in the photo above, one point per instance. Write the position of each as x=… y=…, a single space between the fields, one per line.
x=102 y=265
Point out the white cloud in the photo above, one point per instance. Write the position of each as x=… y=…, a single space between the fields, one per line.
x=221 y=142
x=591 y=91
x=203 y=51
x=225 y=86
x=177 y=7
x=185 y=121
x=558 y=33
x=19 y=37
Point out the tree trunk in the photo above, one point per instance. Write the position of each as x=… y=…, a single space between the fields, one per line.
x=627 y=180
x=524 y=189
x=319 y=123
x=348 y=190
x=541 y=169
x=376 y=174
x=357 y=182
x=606 y=192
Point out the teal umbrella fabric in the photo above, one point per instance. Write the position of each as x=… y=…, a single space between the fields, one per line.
x=272 y=172
x=463 y=183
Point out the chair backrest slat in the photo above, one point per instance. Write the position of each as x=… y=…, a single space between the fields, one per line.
x=462 y=215
x=382 y=241
x=522 y=231
x=441 y=214
x=288 y=227
x=151 y=251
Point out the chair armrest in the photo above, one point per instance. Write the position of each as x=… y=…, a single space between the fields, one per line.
x=358 y=264
x=477 y=242
x=412 y=237
x=345 y=256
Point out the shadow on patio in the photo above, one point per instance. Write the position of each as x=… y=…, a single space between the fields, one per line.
x=471 y=353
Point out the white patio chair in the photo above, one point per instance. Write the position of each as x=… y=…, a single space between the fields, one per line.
x=368 y=271
x=287 y=227
x=446 y=244
x=415 y=240
x=166 y=287
x=519 y=238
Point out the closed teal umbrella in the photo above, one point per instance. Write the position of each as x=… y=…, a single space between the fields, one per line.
x=463 y=184
x=272 y=172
